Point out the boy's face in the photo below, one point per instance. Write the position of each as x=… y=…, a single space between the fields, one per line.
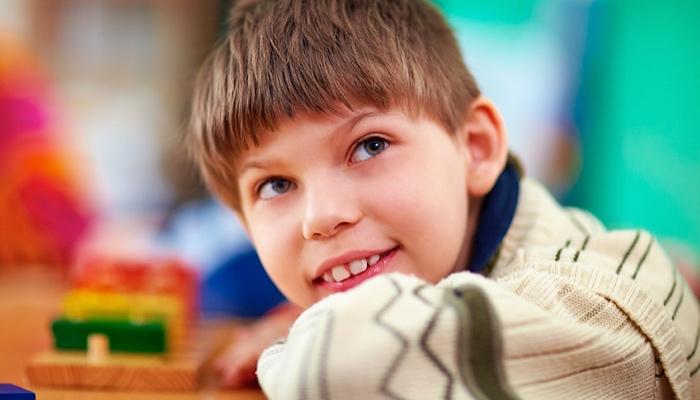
x=331 y=201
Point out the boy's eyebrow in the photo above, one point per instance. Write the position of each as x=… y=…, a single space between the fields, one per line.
x=251 y=164
x=346 y=127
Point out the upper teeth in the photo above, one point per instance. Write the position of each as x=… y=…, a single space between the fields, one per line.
x=358 y=266
x=342 y=272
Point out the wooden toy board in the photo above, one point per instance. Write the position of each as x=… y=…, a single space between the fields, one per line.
x=172 y=372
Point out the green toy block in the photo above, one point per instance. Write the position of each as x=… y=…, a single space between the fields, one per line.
x=124 y=335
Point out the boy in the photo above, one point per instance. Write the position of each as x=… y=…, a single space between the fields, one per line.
x=353 y=143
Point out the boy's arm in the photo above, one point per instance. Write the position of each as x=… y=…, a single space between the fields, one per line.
x=547 y=330
x=395 y=337
x=236 y=364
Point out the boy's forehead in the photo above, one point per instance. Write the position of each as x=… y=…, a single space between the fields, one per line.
x=333 y=123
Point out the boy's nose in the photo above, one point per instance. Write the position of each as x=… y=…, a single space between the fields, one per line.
x=329 y=212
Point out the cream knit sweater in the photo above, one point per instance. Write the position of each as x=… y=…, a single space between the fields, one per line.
x=569 y=311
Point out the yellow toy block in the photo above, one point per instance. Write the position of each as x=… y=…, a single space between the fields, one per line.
x=84 y=304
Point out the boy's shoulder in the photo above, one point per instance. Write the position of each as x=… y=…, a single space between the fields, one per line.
x=546 y=236
x=540 y=221
x=572 y=244
x=550 y=232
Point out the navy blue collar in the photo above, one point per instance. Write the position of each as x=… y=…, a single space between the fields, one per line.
x=495 y=217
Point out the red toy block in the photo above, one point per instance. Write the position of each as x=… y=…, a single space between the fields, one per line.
x=157 y=276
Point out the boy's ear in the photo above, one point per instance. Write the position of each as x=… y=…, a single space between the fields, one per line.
x=484 y=135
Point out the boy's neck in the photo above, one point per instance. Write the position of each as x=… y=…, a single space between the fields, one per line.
x=489 y=219
x=465 y=253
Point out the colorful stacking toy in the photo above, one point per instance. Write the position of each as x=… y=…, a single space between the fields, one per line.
x=140 y=306
x=126 y=324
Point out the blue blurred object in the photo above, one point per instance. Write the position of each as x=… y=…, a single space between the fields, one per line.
x=240 y=287
x=11 y=392
x=234 y=283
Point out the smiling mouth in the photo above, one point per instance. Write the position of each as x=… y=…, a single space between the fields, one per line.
x=345 y=276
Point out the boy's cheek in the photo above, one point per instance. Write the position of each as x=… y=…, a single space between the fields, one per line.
x=268 y=229
x=276 y=250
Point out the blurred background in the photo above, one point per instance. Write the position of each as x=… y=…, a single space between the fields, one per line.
x=600 y=97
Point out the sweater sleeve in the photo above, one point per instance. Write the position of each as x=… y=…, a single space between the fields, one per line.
x=392 y=337
x=548 y=330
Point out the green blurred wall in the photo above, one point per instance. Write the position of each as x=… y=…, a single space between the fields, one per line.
x=638 y=111
x=497 y=12
x=640 y=117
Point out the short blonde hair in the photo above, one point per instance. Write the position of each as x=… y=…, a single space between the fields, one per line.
x=282 y=57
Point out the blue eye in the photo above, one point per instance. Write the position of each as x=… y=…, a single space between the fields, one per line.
x=274 y=187
x=369 y=148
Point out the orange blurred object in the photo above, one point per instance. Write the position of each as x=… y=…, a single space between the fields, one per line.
x=43 y=214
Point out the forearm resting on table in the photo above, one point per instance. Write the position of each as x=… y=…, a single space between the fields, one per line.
x=237 y=364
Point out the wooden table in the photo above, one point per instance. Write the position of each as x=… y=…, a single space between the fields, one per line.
x=29 y=298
